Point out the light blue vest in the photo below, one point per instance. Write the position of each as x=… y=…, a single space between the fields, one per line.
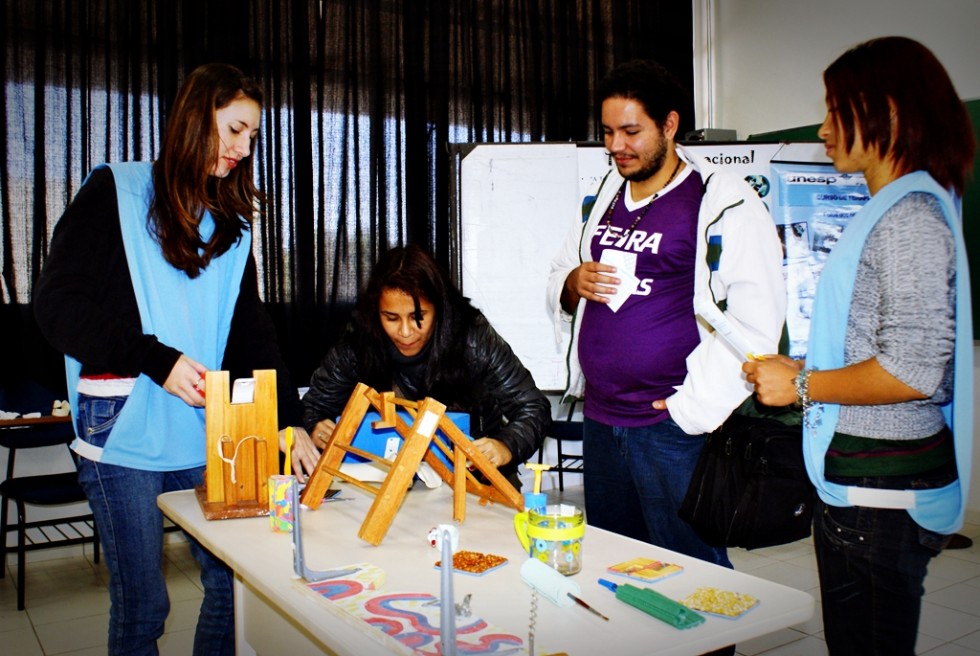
x=940 y=510
x=155 y=430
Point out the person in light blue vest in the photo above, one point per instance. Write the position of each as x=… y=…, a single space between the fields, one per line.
x=887 y=386
x=149 y=283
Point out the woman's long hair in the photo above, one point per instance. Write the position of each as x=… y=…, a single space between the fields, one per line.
x=412 y=270
x=934 y=134
x=183 y=187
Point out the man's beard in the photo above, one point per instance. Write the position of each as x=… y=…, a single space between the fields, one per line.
x=652 y=166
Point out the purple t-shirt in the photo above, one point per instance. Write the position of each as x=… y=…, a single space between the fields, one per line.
x=637 y=355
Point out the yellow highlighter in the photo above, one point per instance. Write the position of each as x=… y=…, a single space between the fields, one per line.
x=288 y=467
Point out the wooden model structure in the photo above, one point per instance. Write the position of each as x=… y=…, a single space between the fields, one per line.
x=429 y=415
x=242 y=447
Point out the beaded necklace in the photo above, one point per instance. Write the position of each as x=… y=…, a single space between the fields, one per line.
x=646 y=209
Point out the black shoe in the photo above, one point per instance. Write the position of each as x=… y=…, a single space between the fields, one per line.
x=959 y=541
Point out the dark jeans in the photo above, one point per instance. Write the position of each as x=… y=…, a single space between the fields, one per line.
x=872 y=563
x=124 y=502
x=635 y=480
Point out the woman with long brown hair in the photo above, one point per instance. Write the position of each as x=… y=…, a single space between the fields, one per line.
x=149 y=283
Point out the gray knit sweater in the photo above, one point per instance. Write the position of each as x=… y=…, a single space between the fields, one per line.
x=902 y=312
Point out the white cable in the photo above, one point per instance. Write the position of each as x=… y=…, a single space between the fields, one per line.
x=234 y=457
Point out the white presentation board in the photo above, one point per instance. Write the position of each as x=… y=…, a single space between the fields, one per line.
x=517 y=203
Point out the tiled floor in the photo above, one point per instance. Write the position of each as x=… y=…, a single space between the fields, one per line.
x=67 y=603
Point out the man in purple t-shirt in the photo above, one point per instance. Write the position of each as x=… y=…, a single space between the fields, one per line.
x=655 y=326
x=632 y=277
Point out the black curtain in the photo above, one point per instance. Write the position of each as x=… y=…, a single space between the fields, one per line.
x=363 y=99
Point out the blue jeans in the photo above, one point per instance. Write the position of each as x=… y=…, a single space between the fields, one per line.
x=635 y=480
x=124 y=502
x=872 y=564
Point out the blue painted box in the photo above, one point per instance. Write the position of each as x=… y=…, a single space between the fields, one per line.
x=385 y=442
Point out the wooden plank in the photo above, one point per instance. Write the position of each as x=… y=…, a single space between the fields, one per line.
x=330 y=458
x=387 y=411
x=459 y=485
x=399 y=478
x=500 y=488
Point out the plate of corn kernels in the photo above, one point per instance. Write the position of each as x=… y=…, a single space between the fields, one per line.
x=722 y=603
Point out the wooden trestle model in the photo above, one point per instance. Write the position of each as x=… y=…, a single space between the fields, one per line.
x=242 y=447
x=429 y=415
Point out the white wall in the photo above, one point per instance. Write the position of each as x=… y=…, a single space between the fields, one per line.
x=765 y=57
x=759 y=64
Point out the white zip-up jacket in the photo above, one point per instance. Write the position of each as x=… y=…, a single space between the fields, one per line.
x=746 y=289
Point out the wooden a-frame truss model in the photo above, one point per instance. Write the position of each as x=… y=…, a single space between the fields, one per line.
x=429 y=415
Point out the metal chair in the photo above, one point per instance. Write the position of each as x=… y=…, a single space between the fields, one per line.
x=562 y=431
x=40 y=490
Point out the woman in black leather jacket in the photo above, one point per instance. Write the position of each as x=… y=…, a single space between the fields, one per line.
x=414 y=333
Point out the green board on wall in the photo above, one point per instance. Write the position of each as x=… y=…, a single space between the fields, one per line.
x=971 y=198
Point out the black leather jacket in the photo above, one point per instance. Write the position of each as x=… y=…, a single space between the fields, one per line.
x=509 y=407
